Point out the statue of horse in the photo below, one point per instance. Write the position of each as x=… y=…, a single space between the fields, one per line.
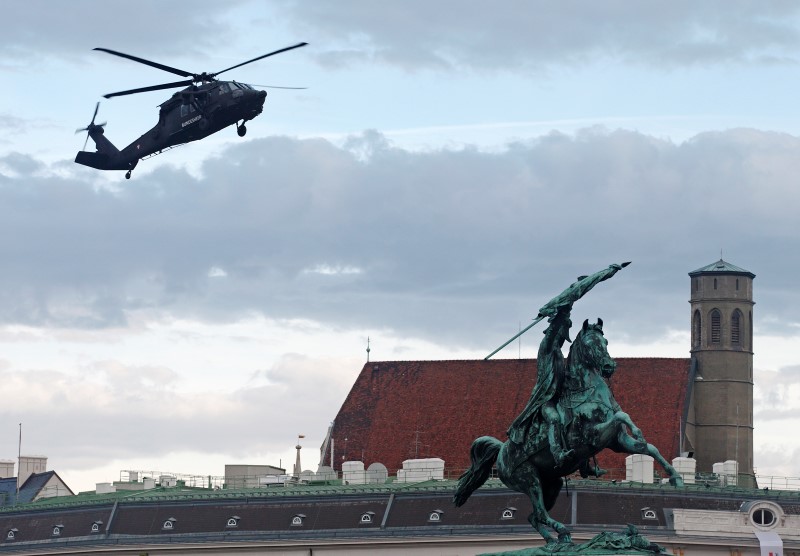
x=592 y=420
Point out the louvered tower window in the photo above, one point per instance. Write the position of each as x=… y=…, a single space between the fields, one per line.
x=716 y=327
x=696 y=330
x=736 y=320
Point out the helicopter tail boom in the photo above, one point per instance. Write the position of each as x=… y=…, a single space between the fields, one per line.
x=106 y=157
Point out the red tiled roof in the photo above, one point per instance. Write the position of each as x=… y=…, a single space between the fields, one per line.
x=399 y=410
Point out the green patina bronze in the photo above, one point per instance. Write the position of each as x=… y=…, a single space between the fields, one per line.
x=570 y=417
x=605 y=544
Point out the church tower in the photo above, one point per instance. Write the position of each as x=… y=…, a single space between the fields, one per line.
x=719 y=426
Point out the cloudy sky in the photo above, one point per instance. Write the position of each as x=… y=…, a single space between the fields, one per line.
x=451 y=166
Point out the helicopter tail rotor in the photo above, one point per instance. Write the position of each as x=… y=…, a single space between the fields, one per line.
x=91 y=127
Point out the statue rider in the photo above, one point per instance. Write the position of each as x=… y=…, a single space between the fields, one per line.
x=552 y=368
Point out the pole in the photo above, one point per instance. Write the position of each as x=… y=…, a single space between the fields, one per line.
x=736 y=455
x=517 y=335
x=19 y=462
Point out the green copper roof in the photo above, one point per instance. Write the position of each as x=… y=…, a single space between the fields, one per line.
x=723 y=267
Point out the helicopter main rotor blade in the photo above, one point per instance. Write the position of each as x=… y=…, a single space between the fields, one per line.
x=298 y=45
x=176 y=71
x=151 y=88
x=276 y=86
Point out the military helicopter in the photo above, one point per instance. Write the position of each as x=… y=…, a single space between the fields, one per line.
x=205 y=106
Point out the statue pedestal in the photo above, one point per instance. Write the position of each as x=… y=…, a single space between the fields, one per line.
x=605 y=544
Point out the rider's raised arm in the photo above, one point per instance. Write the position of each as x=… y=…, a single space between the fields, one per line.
x=578 y=289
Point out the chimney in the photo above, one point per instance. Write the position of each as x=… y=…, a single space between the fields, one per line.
x=6 y=468
x=28 y=465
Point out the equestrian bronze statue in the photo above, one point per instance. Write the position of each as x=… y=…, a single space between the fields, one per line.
x=570 y=417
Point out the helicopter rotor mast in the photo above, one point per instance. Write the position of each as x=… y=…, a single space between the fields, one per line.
x=193 y=77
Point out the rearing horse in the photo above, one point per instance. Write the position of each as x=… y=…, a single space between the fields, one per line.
x=592 y=420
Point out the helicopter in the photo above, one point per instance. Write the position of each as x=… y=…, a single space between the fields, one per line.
x=205 y=106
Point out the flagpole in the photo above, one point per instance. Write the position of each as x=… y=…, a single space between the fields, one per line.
x=19 y=462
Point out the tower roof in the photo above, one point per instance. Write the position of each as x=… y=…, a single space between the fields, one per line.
x=722 y=267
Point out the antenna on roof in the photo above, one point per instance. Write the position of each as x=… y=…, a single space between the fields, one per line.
x=368 y=350
x=19 y=458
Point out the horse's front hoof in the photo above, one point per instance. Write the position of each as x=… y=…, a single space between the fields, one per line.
x=564 y=539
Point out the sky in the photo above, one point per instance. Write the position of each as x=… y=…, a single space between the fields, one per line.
x=450 y=167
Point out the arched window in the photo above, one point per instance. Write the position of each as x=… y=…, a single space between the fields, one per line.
x=95 y=527
x=696 y=330
x=736 y=323
x=435 y=515
x=508 y=513
x=169 y=524
x=57 y=530
x=233 y=522
x=12 y=534
x=716 y=326
x=366 y=517
x=297 y=520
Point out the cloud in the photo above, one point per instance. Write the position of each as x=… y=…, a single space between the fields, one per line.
x=454 y=244
x=133 y=411
x=148 y=27
x=21 y=164
x=539 y=35
x=777 y=394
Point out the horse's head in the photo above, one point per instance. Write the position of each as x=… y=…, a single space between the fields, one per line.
x=590 y=349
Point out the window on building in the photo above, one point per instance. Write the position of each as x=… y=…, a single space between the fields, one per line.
x=716 y=326
x=436 y=515
x=298 y=520
x=233 y=522
x=763 y=517
x=367 y=517
x=57 y=530
x=508 y=513
x=169 y=524
x=696 y=330
x=95 y=527
x=12 y=534
x=736 y=321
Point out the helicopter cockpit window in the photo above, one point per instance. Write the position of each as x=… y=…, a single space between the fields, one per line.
x=184 y=110
x=224 y=89
x=236 y=90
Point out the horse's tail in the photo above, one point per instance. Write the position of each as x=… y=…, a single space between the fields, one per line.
x=483 y=455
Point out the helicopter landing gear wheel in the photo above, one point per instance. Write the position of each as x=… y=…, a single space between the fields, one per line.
x=241 y=130
x=128 y=175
